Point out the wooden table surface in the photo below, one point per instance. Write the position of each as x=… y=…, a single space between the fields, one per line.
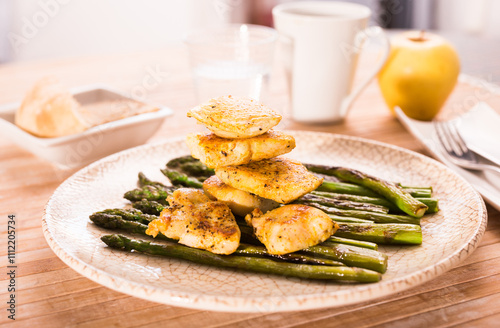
x=50 y=294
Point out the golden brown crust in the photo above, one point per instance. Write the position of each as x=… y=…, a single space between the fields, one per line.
x=232 y=117
x=291 y=228
x=280 y=179
x=197 y=222
x=215 y=151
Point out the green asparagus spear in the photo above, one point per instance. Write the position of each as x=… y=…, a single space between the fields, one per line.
x=432 y=203
x=342 y=204
x=191 y=167
x=178 y=161
x=352 y=189
x=182 y=179
x=260 y=251
x=346 y=219
x=345 y=188
x=113 y=215
x=418 y=193
x=352 y=242
x=112 y=221
x=246 y=263
x=429 y=189
x=129 y=215
x=148 y=193
x=197 y=170
x=350 y=255
x=149 y=206
x=389 y=190
x=381 y=233
x=145 y=181
x=372 y=216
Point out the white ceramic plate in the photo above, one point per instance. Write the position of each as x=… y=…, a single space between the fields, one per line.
x=449 y=236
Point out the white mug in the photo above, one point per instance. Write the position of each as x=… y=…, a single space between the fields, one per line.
x=323 y=40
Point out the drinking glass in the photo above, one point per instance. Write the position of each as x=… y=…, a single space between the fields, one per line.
x=234 y=60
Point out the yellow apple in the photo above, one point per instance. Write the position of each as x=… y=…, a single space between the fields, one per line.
x=420 y=73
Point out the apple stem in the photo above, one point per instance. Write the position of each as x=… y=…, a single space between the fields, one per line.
x=420 y=38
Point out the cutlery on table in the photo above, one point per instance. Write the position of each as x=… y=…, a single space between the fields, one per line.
x=458 y=153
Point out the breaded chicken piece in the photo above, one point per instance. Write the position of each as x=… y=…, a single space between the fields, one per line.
x=198 y=222
x=231 y=117
x=240 y=202
x=291 y=228
x=216 y=152
x=280 y=179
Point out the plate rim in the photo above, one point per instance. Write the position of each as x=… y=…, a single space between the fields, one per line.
x=267 y=303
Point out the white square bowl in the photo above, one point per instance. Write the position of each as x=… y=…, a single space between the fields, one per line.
x=99 y=141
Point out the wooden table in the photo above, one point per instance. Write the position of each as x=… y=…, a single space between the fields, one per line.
x=50 y=294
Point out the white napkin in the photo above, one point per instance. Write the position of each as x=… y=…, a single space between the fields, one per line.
x=487 y=183
x=480 y=128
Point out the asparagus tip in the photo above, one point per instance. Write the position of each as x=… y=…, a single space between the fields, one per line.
x=114 y=241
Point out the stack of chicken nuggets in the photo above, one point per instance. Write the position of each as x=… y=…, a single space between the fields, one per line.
x=251 y=179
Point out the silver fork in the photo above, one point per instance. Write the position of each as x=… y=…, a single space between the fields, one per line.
x=456 y=148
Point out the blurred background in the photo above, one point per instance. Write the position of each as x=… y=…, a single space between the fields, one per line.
x=42 y=29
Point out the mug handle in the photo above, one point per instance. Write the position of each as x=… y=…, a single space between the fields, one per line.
x=370 y=32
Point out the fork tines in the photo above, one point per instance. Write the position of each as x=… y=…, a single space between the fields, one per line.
x=452 y=141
